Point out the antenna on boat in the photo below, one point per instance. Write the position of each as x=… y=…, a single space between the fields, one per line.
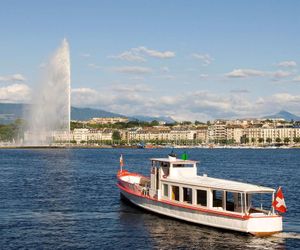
x=172 y=156
x=172 y=153
x=121 y=163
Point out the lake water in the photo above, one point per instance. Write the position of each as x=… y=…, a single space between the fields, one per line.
x=67 y=199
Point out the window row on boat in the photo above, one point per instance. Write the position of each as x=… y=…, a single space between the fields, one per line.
x=222 y=200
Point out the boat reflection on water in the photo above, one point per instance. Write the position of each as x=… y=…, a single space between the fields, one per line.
x=160 y=232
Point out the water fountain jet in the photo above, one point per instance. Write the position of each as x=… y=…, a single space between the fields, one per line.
x=50 y=111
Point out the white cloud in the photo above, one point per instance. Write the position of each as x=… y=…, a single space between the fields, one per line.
x=165 y=74
x=15 y=93
x=206 y=59
x=131 y=56
x=165 y=69
x=279 y=101
x=245 y=73
x=166 y=77
x=84 y=91
x=155 y=53
x=240 y=91
x=138 y=78
x=212 y=105
x=204 y=76
x=286 y=98
x=132 y=70
x=296 y=79
x=138 y=54
x=90 y=97
x=85 y=55
x=277 y=75
x=134 y=99
x=169 y=100
x=94 y=66
x=287 y=64
x=13 y=78
x=129 y=88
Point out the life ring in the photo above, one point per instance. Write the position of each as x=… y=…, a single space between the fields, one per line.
x=165 y=176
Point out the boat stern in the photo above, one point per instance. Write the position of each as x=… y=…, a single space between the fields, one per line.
x=264 y=225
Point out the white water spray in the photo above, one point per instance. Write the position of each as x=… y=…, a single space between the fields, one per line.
x=50 y=111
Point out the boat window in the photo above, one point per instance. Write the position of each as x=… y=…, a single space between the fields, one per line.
x=187 y=195
x=202 y=197
x=234 y=202
x=231 y=201
x=175 y=193
x=238 y=205
x=259 y=203
x=177 y=165
x=182 y=165
x=166 y=190
x=248 y=202
x=165 y=164
x=217 y=198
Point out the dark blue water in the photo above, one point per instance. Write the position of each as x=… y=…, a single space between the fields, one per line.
x=67 y=199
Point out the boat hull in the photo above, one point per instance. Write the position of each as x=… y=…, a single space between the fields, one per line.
x=258 y=226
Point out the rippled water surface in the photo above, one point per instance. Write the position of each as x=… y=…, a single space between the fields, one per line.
x=67 y=199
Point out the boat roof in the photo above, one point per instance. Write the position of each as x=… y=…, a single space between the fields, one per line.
x=174 y=161
x=220 y=184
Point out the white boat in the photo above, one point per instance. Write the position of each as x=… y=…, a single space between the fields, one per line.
x=174 y=189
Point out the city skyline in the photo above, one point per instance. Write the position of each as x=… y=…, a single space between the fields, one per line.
x=199 y=60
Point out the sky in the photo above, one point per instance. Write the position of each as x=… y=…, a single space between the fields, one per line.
x=191 y=60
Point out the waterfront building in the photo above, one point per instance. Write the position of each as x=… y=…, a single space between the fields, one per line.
x=80 y=134
x=234 y=133
x=202 y=134
x=278 y=134
x=62 y=136
x=100 y=135
x=248 y=131
x=271 y=134
x=107 y=120
x=217 y=131
x=183 y=135
x=254 y=133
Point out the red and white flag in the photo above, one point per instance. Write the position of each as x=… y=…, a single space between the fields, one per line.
x=279 y=203
x=121 y=161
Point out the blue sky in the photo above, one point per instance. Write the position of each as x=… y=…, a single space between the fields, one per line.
x=186 y=59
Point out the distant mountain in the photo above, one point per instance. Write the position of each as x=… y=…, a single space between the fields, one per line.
x=84 y=114
x=9 y=112
x=166 y=119
x=285 y=115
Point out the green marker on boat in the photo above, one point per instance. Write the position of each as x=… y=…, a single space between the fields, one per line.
x=184 y=156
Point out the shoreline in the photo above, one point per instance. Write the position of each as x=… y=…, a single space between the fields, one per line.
x=134 y=147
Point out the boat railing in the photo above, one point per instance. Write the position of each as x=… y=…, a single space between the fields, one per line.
x=255 y=210
x=142 y=186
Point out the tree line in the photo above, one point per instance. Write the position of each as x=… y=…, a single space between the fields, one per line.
x=12 y=131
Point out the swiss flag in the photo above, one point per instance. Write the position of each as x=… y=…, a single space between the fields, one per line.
x=279 y=203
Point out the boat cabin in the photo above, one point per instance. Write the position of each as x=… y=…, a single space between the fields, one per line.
x=176 y=181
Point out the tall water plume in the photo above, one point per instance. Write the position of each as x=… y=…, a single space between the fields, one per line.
x=50 y=110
